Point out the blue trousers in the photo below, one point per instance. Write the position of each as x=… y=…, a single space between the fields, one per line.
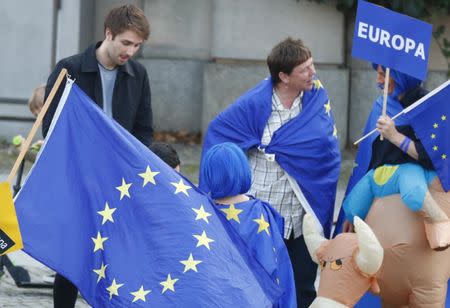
x=409 y=180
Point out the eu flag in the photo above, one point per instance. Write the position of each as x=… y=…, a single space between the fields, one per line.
x=430 y=123
x=261 y=227
x=102 y=210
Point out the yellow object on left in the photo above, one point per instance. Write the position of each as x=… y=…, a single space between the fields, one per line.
x=10 y=237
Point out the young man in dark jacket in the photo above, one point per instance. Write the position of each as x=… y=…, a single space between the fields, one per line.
x=105 y=71
x=116 y=83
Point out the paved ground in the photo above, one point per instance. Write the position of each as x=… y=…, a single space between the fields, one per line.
x=12 y=296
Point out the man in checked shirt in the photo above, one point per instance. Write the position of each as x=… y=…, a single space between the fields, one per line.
x=285 y=126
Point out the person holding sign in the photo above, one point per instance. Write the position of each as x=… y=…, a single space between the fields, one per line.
x=397 y=164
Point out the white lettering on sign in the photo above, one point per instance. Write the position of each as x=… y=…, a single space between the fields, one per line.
x=396 y=41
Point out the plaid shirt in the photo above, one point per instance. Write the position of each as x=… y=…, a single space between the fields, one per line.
x=270 y=182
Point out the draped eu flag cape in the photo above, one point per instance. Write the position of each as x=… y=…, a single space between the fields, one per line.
x=261 y=227
x=306 y=147
x=102 y=210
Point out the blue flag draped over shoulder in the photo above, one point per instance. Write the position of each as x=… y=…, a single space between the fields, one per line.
x=430 y=123
x=306 y=147
x=102 y=210
x=262 y=228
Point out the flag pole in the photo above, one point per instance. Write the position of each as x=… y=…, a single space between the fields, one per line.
x=385 y=94
x=408 y=109
x=36 y=125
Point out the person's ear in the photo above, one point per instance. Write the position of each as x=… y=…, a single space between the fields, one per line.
x=283 y=77
x=108 y=34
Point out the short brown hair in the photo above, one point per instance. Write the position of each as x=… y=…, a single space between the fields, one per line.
x=285 y=56
x=127 y=17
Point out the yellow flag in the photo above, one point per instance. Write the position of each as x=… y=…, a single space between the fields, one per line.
x=10 y=238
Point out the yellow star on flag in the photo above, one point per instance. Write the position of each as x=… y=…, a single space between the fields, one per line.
x=107 y=214
x=334 y=131
x=124 y=189
x=148 y=176
x=181 y=187
x=203 y=240
x=317 y=83
x=98 y=241
x=201 y=214
x=190 y=264
x=168 y=284
x=263 y=224
x=101 y=272
x=433 y=136
x=444 y=117
x=113 y=289
x=435 y=148
x=232 y=213
x=444 y=156
x=140 y=294
x=327 y=107
x=435 y=125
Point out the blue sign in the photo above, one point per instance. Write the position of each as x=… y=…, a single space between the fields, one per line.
x=391 y=39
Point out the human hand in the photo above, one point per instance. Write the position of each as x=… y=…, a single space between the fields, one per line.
x=347 y=226
x=386 y=127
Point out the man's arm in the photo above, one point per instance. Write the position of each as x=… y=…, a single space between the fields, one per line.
x=52 y=108
x=143 y=124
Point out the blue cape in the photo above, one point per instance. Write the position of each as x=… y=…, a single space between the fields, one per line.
x=305 y=147
x=268 y=248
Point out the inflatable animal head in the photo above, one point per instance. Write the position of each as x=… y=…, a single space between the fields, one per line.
x=348 y=263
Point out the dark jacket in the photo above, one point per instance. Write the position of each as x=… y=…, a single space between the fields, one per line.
x=384 y=152
x=131 y=104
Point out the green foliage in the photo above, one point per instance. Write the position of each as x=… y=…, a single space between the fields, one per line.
x=415 y=8
x=444 y=45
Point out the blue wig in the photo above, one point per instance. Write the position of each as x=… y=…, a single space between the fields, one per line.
x=225 y=171
x=403 y=82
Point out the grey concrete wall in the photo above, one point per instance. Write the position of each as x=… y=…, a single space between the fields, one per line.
x=223 y=83
x=176 y=87
x=25 y=29
x=180 y=29
x=248 y=29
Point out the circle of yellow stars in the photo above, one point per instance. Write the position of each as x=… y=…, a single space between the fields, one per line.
x=190 y=264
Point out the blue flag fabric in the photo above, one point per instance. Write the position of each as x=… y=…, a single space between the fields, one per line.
x=262 y=228
x=430 y=123
x=306 y=147
x=102 y=210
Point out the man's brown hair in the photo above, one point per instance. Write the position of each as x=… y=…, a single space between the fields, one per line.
x=285 y=56
x=127 y=17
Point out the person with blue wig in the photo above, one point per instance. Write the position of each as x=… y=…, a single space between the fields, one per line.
x=396 y=164
x=227 y=178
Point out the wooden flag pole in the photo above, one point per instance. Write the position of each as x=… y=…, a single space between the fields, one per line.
x=36 y=125
x=385 y=94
